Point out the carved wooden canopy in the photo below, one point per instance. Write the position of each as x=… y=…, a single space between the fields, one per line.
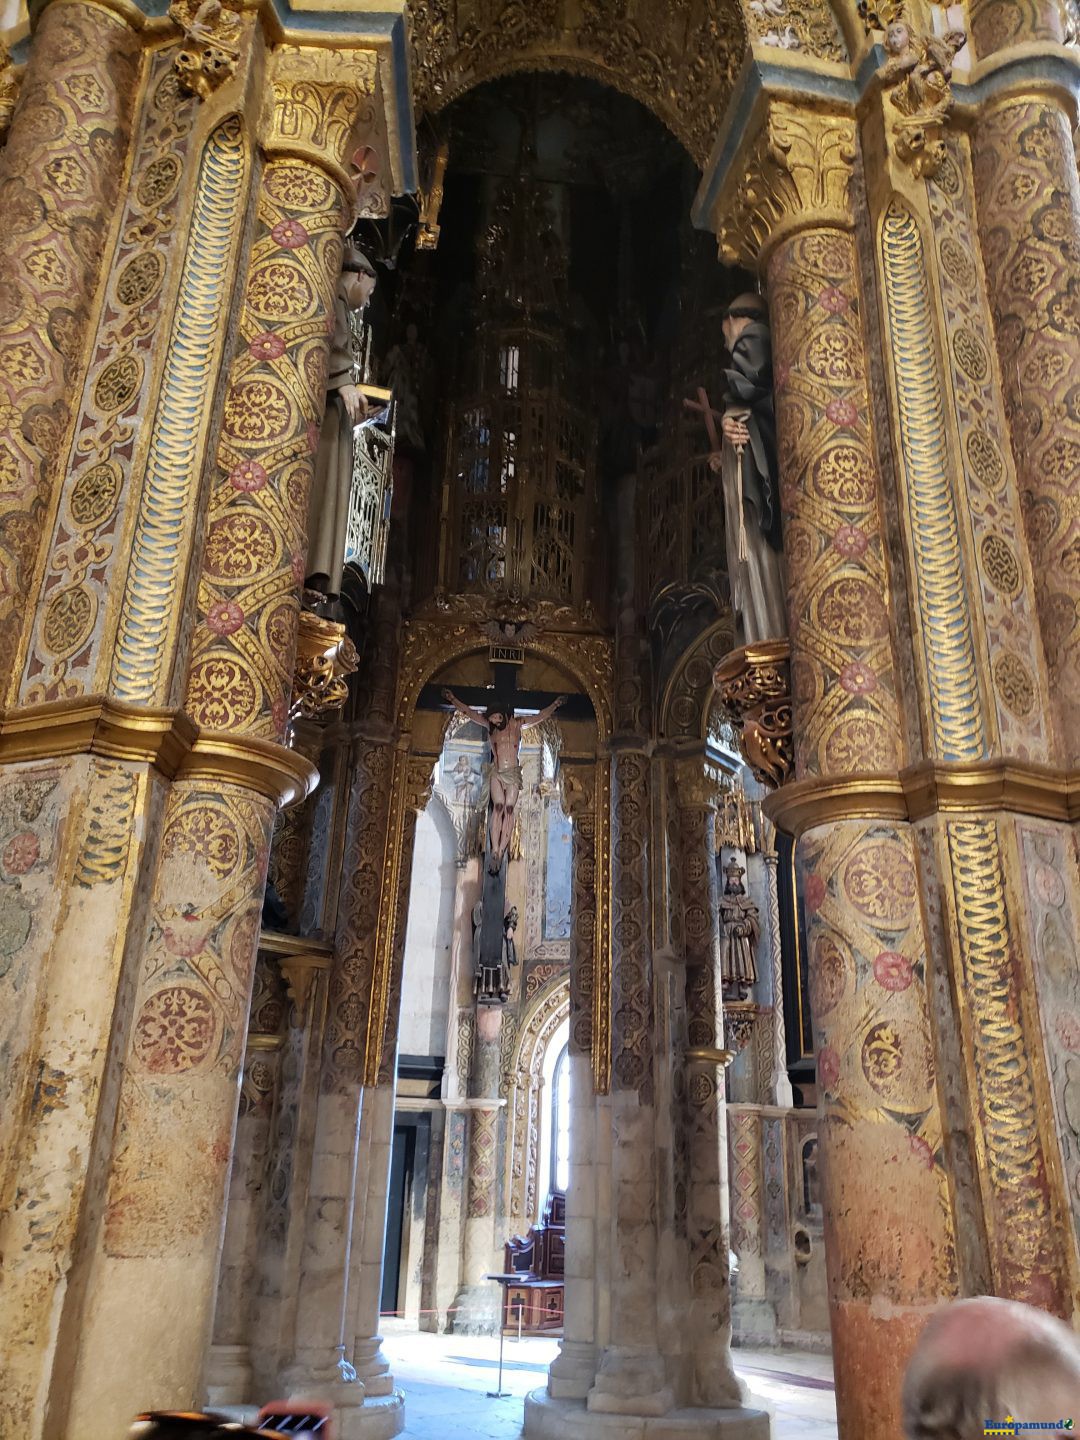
x=678 y=57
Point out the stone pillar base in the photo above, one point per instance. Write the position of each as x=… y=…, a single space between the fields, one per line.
x=573 y=1371
x=547 y=1418
x=477 y=1310
x=380 y=1417
x=371 y=1369
x=753 y=1322
x=228 y=1375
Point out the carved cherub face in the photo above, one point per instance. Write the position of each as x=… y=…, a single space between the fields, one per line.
x=897 y=37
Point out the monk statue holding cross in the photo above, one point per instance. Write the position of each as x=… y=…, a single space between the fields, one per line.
x=744 y=456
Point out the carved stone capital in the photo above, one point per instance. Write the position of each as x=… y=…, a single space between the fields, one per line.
x=754 y=688
x=792 y=173
x=697 y=783
x=419 y=780
x=210 y=54
x=577 y=790
x=740 y=1017
x=327 y=109
x=298 y=972
x=325 y=657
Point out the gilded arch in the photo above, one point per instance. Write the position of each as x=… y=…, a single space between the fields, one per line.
x=687 y=701
x=679 y=58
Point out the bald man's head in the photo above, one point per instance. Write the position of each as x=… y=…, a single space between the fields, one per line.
x=983 y=1359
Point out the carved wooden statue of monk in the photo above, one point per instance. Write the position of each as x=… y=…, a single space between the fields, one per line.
x=328 y=516
x=748 y=469
x=505 y=778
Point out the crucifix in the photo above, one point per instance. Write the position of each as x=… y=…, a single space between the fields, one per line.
x=505 y=782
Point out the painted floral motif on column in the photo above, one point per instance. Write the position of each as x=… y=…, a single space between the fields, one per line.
x=59 y=179
x=253 y=562
x=191 y=1010
x=888 y=1225
x=1029 y=223
x=843 y=674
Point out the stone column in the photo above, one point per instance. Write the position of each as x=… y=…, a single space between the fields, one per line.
x=1028 y=200
x=229 y=1372
x=985 y=710
x=632 y=1377
x=572 y=1372
x=59 y=196
x=304 y=967
x=164 y=1196
x=478 y=1303
x=884 y=1187
x=377 y=1132
x=706 y=1179
x=321 y=1360
x=755 y=1319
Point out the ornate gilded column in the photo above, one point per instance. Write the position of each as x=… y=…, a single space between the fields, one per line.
x=984 y=698
x=164 y=1191
x=789 y=210
x=1028 y=204
x=706 y=1178
x=60 y=196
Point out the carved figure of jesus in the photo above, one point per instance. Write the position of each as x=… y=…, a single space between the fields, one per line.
x=505 y=779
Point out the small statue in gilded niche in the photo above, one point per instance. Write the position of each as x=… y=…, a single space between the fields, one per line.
x=346 y=407
x=747 y=465
x=919 y=69
x=505 y=779
x=740 y=931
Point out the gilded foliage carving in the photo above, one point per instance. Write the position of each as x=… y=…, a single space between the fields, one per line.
x=798 y=167
x=807 y=26
x=843 y=676
x=679 y=57
x=244 y=647
x=210 y=52
x=57 y=198
x=327 y=111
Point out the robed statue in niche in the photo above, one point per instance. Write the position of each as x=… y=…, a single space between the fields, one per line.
x=740 y=930
x=346 y=407
x=747 y=465
x=505 y=779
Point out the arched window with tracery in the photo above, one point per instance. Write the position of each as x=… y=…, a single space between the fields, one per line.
x=559 y=1176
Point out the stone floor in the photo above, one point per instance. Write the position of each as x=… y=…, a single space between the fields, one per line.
x=446 y=1379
